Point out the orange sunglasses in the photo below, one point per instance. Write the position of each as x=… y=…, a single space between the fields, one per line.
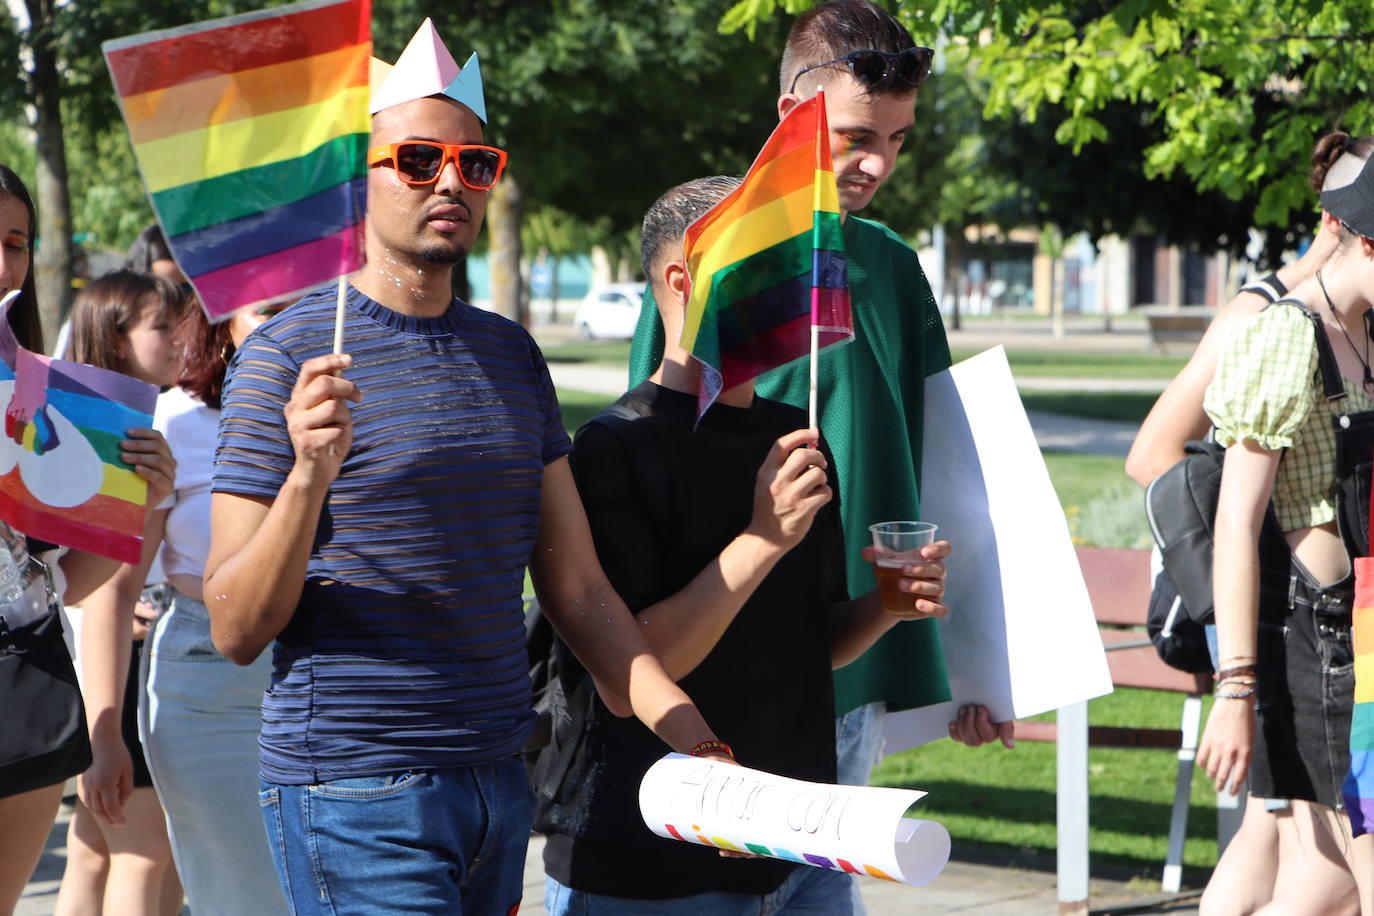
x=419 y=162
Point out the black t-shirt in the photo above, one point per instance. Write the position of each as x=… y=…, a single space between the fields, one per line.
x=657 y=519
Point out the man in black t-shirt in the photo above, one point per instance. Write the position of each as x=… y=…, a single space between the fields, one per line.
x=723 y=537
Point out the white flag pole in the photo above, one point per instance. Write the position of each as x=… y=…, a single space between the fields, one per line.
x=339 y=315
x=339 y=323
x=813 y=415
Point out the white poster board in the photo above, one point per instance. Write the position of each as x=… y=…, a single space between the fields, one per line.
x=1020 y=637
x=860 y=830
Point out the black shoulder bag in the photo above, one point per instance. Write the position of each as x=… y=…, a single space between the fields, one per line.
x=1181 y=507
x=565 y=696
x=44 y=740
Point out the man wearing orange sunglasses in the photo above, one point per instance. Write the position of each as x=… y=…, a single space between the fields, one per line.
x=377 y=528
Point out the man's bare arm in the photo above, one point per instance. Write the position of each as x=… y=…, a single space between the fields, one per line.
x=260 y=548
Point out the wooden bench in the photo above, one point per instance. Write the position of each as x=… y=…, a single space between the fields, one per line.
x=1119 y=586
x=1177 y=327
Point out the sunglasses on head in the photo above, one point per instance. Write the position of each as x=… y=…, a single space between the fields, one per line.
x=420 y=162
x=878 y=68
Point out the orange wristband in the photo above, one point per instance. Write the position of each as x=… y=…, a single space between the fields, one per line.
x=712 y=746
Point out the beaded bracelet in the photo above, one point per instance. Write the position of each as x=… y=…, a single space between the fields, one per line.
x=711 y=747
x=1243 y=695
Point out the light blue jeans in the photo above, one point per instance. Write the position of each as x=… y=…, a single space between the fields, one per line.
x=817 y=891
x=199 y=724
x=858 y=745
x=447 y=842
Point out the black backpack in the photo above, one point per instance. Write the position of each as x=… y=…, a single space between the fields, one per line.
x=1181 y=507
x=1179 y=639
x=565 y=696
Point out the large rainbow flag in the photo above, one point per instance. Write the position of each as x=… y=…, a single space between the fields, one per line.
x=61 y=477
x=251 y=133
x=1359 y=782
x=767 y=263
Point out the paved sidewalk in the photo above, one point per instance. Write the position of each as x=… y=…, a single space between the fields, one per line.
x=963 y=887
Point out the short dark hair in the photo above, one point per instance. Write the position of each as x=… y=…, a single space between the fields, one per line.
x=834 y=29
x=108 y=306
x=668 y=219
x=150 y=246
x=23 y=315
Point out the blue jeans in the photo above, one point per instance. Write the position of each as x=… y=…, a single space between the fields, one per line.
x=199 y=724
x=858 y=743
x=807 y=890
x=448 y=841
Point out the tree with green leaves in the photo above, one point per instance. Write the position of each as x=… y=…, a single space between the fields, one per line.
x=603 y=104
x=83 y=175
x=1216 y=102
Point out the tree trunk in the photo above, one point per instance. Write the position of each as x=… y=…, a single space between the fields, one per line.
x=462 y=286
x=554 y=291
x=53 y=264
x=504 y=211
x=1057 y=296
x=953 y=268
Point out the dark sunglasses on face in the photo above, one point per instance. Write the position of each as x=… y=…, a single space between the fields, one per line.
x=877 y=68
x=420 y=162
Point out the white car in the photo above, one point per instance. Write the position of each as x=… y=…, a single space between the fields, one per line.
x=610 y=311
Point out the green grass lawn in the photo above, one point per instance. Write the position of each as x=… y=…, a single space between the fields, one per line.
x=588 y=352
x=580 y=406
x=1005 y=800
x=1087 y=365
x=1126 y=406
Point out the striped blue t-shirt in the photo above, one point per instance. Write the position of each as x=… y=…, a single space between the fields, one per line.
x=407 y=650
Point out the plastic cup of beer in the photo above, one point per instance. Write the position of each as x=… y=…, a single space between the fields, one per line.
x=899 y=544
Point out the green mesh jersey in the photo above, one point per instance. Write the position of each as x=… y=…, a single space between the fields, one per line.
x=872 y=396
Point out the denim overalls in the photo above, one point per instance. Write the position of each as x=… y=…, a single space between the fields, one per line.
x=1306 y=665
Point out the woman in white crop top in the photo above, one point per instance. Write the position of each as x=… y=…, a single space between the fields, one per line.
x=201 y=714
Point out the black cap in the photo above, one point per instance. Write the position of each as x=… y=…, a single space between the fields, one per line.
x=1353 y=204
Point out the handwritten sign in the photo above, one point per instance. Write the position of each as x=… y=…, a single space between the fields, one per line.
x=857 y=829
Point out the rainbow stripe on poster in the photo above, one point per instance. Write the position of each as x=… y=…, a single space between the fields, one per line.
x=767 y=263
x=251 y=133
x=61 y=477
x=1359 y=781
x=777 y=852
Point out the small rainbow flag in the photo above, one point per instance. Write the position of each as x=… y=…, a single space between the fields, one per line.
x=767 y=262
x=61 y=478
x=1359 y=781
x=251 y=133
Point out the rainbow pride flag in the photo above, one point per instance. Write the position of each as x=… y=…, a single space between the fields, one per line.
x=1359 y=781
x=251 y=133
x=767 y=262
x=61 y=478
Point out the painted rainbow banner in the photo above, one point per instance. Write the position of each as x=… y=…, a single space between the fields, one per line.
x=1359 y=781
x=251 y=134
x=767 y=262
x=61 y=478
